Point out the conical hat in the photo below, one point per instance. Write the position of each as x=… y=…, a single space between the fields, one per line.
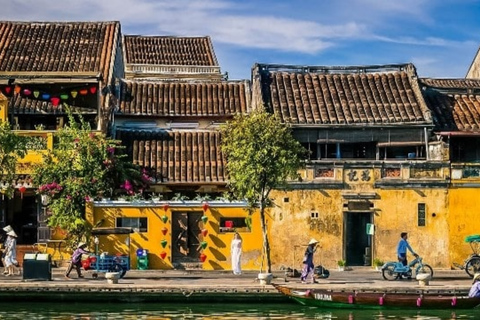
x=7 y=228
x=12 y=234
x=312 y=241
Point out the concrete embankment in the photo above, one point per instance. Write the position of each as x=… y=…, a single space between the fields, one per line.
x=208 y=286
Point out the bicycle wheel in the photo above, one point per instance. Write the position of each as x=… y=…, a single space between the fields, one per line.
x=116 y=267
x=424 y=268
x=472 y=266
x=389 y=274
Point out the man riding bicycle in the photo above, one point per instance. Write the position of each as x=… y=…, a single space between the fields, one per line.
x=402 y=247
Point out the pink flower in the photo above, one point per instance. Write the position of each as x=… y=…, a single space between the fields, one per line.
x=111 y=150
x=69 y=197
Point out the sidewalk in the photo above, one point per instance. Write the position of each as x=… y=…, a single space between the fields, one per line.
x=208 y=286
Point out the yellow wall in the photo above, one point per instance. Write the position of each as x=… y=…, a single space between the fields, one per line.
x=394 y=210
x=464 y=207
x=218 y=244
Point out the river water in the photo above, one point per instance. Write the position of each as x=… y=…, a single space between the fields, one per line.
x=84 y=311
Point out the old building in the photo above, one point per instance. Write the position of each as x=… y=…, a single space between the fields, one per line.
x=46 y=67
x=169 y=108
x=376 y=167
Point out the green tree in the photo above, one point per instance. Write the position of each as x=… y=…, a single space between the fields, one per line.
x=12 y=147
x=83 y=166
x=262 y=155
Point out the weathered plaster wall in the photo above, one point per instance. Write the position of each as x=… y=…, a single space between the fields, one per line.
x=395 y=211
x=464 y=220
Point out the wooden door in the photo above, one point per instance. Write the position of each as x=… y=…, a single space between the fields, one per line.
x=186 y=236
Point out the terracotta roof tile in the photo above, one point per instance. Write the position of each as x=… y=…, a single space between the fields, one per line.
x=455 y=104
x=451 y=83
x=193 y=157
x=338 y=96
x=190 y=51
x=57 y=46
x=166 y=99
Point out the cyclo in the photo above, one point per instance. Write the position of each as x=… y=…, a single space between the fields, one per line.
x=393 y=270
x=471 y=265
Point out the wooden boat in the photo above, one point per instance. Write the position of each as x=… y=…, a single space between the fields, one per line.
x=378 y=300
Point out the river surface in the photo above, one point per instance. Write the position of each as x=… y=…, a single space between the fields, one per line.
x=84 y=311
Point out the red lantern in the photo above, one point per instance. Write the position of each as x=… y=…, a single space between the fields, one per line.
x=205 y=206
x=55 y=101
x=83 y=91
x=203 y=257
x=17 y=89
x=165 y=207
x=204 y=232
x=22 y=190
x=7 y=89
x=163 y=255
x=27 y=92
x=93 y=89
x=164 y=230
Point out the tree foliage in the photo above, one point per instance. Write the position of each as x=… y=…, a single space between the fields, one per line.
x=12 y=147
x=83 y=166
x=262 y=155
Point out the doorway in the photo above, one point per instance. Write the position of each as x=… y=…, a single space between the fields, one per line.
x=356 y=238
x=186 y=236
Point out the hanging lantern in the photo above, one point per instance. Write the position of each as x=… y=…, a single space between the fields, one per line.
x=45 y=96
x=203 y=257
x=55 y=101
x=164 y=230
x=204 y=232
x=205 y=206
x=164 y=218
x=203 y=244
x=165 y=207
x=64 y=96
x=17 y=89
x=83 y=91
x=27 y=92
x=36 y=93
x=7 y=89
x=93 y=89
x=163 y=255
x=74 y=93
x=163 y=243
x=204 y=219
x=22 y=190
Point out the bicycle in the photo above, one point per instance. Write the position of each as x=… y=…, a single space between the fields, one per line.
x=393 y=270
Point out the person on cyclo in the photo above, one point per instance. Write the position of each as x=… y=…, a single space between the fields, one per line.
x=402 y=247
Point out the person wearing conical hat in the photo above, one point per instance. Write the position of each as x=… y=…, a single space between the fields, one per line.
x=475 y=289
x=4 y=239
x=76 y=260
x=11 y=253
x=308 y=266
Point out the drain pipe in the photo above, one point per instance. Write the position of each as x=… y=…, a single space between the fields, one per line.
x=427 y=157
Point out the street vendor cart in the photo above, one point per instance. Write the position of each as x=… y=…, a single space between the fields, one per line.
x=104 y=262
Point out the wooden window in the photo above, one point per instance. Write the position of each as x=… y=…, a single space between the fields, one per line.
x=234 y=224
x=138 y=224
x=421 y=214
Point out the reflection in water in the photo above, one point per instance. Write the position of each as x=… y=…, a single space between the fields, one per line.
x=154 y=311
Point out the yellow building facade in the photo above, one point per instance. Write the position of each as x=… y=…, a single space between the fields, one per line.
x=180 y=234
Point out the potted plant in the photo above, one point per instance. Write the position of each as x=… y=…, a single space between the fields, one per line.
x=341 y=265
x=377 y=263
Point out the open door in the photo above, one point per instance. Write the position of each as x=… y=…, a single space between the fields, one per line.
x=186 y=236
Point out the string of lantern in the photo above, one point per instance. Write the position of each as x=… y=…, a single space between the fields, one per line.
x=54 y=97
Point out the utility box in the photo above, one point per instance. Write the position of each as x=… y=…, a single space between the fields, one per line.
x=37 y=266
x=142 y=259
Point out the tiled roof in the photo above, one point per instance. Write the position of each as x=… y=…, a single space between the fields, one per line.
x=170 y=99
x=454 y=107
x=57 y=46
x=26 y=105
x=375 y=95
x=451 y=83
x=177 y=156
x=190 y=51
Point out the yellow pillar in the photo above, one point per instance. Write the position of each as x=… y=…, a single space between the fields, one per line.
x=3 y=108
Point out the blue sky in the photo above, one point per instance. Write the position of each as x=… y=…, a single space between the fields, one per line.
x=441 y=37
